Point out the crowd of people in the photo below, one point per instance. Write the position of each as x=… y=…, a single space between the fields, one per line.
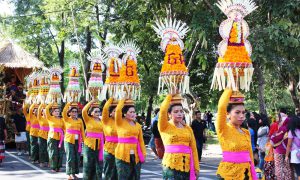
x=109 y=136
x=275 y=143
x=102 y=137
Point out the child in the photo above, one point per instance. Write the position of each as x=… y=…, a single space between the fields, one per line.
x=269 y=166
x=259 y=173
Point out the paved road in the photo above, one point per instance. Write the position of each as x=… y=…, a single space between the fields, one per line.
x=19 y=167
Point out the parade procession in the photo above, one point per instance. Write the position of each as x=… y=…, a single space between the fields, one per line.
x=129 y=90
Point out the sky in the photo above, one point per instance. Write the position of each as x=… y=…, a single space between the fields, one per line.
x=6 y=8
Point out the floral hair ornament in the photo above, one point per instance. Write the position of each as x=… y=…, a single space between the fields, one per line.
x=234 y=68
x=95 y=83
x=55 y=95
x=174 y=73
x=113 y=64
x=44 y=79
x=130 y=87
x=73 y=91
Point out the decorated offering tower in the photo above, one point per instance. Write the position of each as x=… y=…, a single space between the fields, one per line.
x=44 y=78
x=73 y=91
x=234 y=68
x=55 y=95
x=174 y=73
x=129 y=80
x=95 y=83
x=113 y=64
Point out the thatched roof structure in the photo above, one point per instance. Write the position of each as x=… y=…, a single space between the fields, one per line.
x=13 y=56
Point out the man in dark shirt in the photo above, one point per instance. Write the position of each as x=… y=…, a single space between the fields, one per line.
x=20 y=131
x=209 y=119
x=199 y=127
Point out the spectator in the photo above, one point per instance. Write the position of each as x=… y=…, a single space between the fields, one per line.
x=205 y=116
x=297 y=112
x=251 y=126
x=259 y=173
x=279 y=140
x=293 y=146
x=209 y=117
x=269 y=167
x=152 y=140
x=157 y=138
x=199 y=127
x=20 y=131
x=3 y=137
x=262 y=139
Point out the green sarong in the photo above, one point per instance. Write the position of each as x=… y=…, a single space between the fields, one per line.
x=34 y=148
x=73 y=158
x=43 y=153
x=92 y=167
x=128 y=171
x=55 y=154
x=172 y=174
x=110 y=169
x=28 y=142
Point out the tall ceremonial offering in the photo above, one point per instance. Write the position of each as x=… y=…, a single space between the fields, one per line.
x=44 y=79
x=95 y=83
x=234 y=68
x=73 y=91
x=130 y=87
x=34 y=91
x=174 y=73
x=55 y=95
x=113 y=64
x=28 y=86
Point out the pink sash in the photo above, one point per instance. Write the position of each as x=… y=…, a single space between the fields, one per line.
x=240 y=157
x=113 y=139
x=61 y=134
x=78 y=132
x=101 y=143
x=44 y=128
x=186 y=150
x=35 y=126
x=28 y=123
x=133 y=140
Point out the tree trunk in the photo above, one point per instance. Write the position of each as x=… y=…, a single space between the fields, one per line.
x=261 y=90
x=293 y=91
x=87 y=51
x=61 y=57
x=149 y=111
x=38 y=55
